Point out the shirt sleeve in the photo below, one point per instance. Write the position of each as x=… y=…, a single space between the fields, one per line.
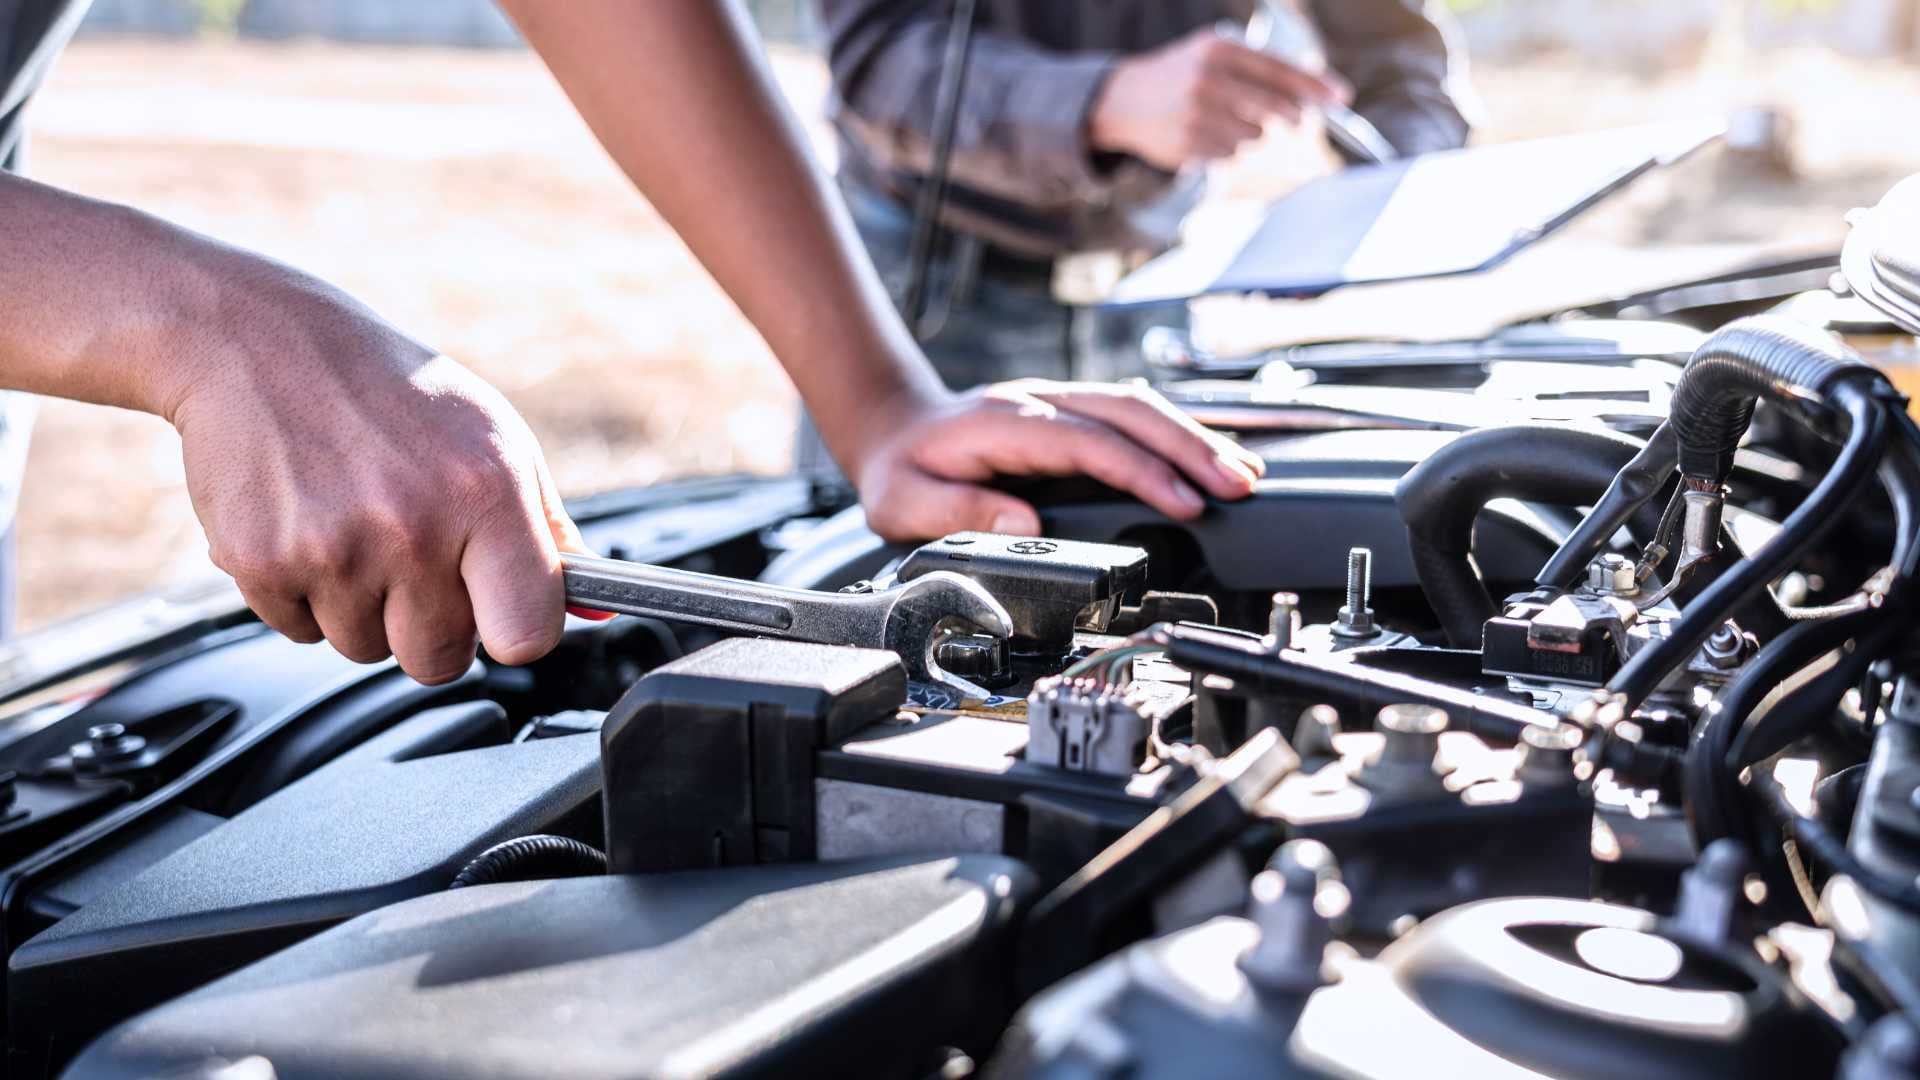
x=1407 y=67
x=1021 y=133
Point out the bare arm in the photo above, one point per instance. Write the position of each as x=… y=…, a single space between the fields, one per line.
x=680 y=97
x=356 y=484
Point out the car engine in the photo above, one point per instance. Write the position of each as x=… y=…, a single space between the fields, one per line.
x=1550 y=709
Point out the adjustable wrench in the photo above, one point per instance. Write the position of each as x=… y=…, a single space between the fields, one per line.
x=908 y=619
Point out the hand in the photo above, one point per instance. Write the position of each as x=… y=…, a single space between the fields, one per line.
x=1200 y=98
x=360 y=488
x=924 y=480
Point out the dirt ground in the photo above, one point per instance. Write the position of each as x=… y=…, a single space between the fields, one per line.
x=458 y=194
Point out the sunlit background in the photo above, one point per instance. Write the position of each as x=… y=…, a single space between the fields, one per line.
x=417 y=155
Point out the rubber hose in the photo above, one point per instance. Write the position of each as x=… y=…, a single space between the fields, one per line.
x=1440 y=497
x=1707 y=785
x=1852 y=470
x=532 y=858
x=1638 y=481
x=1812 y=702
x=1766 y=356
x=1817 y=839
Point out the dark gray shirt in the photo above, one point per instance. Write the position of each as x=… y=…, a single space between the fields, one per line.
x=1023 y=175
x=32 y=33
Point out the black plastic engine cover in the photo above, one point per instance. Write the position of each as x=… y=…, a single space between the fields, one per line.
x=1047 y=586
x=708 y=761
x=394 y=818
x=843 y=969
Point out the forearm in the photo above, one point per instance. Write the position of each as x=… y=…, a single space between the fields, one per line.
x=104 y=304
x=92 y=296
x=682 y=100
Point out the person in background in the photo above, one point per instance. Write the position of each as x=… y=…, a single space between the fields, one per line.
x=362 y=487
x=1080 y=126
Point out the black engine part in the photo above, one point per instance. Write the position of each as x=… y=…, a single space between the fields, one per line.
x=797 y=970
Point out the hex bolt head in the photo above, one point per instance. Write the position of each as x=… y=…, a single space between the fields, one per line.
x=1725 y=649
x=1613 y=575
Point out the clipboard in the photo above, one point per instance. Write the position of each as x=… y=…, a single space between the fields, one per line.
x=1437 y=215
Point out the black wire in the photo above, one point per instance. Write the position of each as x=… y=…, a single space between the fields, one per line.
x=1852 y=470
x=1640 y=480
x=1815 y=838
x=1813 y=702
x=531 y=858
x=933 y=189
x=1710 y=791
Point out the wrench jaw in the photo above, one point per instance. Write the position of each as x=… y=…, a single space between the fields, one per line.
x=926 y=610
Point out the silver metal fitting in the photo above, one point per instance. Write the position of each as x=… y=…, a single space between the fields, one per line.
x=1700 y=530
x=1282 y=621
x=1313 y=733
x=1545 y=756
x=1408 y=761
x=1295 y=901
x=1356 y=618
x=1613 y=575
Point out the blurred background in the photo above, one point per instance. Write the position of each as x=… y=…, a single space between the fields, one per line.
x=417 y=155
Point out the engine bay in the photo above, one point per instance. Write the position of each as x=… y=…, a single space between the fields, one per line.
x=1550 y=709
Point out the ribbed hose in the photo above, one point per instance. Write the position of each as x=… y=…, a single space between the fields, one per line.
x=1787 y=361
x=532 y=858
x=1818 y=380
x=1440 y=497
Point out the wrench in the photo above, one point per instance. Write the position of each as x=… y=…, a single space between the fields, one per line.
x=909 y=619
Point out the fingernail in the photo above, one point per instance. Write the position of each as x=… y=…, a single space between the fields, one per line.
x=1011 y=523
x=594 y=616
x=1188 y=498
x=1235 y=472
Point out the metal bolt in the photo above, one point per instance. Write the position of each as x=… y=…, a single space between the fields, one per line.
x=1294 y=903
x=1281 y=621
x=107 y=744
x=1723 y=651
x=1409 y=751
x=1613 y=575
x=1356 y=618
